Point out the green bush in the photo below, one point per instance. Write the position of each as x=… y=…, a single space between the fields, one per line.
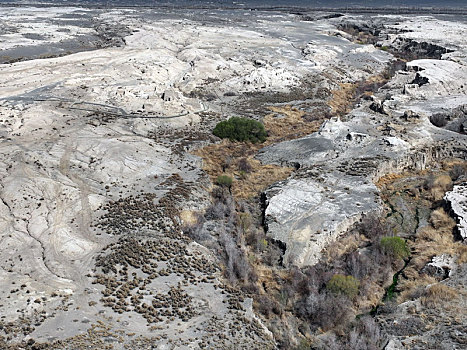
x=340 y=284
x=224 y=181
x=395 y=246
x=241 y=129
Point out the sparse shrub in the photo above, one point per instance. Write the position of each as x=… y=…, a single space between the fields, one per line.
x=457 y=171
x=373 y=227
x=224 y=181
x=244 y=222
x=241 y=129
x=267 y=306
x=299 y=282
x=196 y=230
x=210 y=97
x=217 y=211
x=461 y=254
x=237 y=266
x=272 y=254
x=326 y=310
x=395 y=246
x=250 y=288
x=218 y=194
x=244 y=165
x=252 y=238
x=304 y=344
x=358 y=265
x=226 y=163
x=340 y=284
x=429 y=182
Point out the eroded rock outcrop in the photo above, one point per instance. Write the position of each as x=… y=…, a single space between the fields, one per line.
x=457 y=201
x=390 y=135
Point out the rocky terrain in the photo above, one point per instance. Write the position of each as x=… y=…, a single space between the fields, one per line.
x=456 y=200
x=108 y=162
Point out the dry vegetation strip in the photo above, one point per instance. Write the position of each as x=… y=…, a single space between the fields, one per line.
x=237 y=160
x=436 y=237
x=288 y=123
x=284 y=123
x=342 y=100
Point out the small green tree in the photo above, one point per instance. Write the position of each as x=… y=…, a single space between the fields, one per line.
x=340 y=284
x=395 y=246
x=224 y=181
x=241 y=129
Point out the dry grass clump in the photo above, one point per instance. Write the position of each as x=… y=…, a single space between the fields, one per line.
x=437 y=186
x=414 y=285
x=437 y=295
x=342 y=99
x=431 y=242
x=461 y=254
x=342 y=246
x=387 y=179
x=443 y=181
x=261 y=176
x=457 y=168
x=236 y=160
x=188 y=217
x=439 y=219
x=291 y=124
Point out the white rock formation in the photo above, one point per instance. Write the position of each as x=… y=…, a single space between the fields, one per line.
x=457 y=200
x=442 y=263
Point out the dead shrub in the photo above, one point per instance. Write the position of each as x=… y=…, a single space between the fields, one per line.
x=272 y=255
x=373 y=227
x=365 y=336
x=298 y=282
x=218 y=210
x=325 y=310
x=458 y=171
x=237 y=265
x=244 y=165
x=268 y=306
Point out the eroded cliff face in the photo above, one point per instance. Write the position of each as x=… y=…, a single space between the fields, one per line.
x=339 y=164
